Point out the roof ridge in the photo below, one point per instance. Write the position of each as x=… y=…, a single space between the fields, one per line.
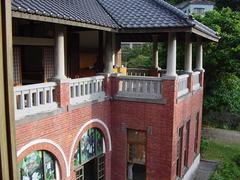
x=108 y=13
x=176 y=11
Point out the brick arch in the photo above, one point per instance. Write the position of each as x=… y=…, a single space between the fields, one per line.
x=46 y=145
x=94 y=123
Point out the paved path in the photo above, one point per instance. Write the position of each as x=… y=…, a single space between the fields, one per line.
x=205 y=169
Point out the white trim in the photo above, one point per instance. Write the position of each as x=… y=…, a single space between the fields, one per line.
x=81 y=130
x=193 y=169
x=39 y=141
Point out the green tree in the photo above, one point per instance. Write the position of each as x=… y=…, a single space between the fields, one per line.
x=233 y=4
x=222 y=64
x=138 y=56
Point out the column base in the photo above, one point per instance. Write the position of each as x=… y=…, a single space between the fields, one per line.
x=189 y=72
x=199 y=69
x=171 y=75
x=60 y=80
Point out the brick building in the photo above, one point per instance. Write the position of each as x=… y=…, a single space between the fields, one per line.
x=76 y=119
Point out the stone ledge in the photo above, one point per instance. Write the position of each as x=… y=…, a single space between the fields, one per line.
x=39 y=116
x=87 y=103
x=153 y=101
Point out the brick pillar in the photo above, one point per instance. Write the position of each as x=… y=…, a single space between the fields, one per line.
x=114 y=84
x=62 y=94
x=169 y=88
x=201 y=78
x=190 y=82
x=169 y=91
x=154 y=72
x=110 y=83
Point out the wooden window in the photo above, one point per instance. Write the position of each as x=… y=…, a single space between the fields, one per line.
x=80 y=173
x=136 y=147
x=196 y=134
x=186 y=144
x=48 y=60
x=179 y=152
x=101 y=167
x=17 y=66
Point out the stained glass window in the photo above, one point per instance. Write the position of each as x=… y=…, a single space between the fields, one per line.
x=39 y=165
x=90 y=146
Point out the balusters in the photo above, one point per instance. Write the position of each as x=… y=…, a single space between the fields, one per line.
x=196 y=80
x=183 y=85
x=30 y=99
x=139 y=87
x=87 y=89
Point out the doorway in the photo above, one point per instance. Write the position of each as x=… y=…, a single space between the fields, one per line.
x=136 y=162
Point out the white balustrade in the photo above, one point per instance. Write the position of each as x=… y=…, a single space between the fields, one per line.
x=183 y=85
x=137 y=72
x=196 y=80
x=33 y=99
x=86 y=89
x=140 y=87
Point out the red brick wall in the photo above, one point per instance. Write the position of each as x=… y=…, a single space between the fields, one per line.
x=163 y=120
x=62 y=129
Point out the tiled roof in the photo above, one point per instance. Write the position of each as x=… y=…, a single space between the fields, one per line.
x=142 y=14
x=133 y=14
x=118 y=14
x=85 y=11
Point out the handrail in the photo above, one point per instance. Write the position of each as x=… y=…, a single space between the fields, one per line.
x=33 y=99
x=140 y=87
x=86 y=89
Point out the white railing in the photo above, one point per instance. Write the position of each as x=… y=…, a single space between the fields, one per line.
x=86 y=89
x=140 y=87
x=196 y=80
x=137 y=72
x=183 y=85
x=35 y=98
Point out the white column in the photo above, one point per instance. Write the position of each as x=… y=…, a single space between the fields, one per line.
x=188 y=53
x=199 y=55
x=108 y=62
x=59 y=53
x=172 y=55
x=113 y=49
x=155 y=53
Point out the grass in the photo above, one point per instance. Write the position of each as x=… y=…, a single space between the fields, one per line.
x=228 y=154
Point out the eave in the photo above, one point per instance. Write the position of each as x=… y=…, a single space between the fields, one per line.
x=172 y=29
x=35 y=17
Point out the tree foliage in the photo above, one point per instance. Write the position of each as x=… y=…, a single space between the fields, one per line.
x=233 y=4
x=137 y=57
x=222 y=64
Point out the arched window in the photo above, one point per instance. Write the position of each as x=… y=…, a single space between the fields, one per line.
x=90 y=146
x=39 y=165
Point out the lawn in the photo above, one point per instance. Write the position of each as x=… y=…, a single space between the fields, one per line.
x=228 y=154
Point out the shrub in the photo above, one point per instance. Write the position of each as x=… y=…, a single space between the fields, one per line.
x=204 y=145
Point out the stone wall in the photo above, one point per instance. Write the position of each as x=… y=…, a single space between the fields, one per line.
x=221 y=135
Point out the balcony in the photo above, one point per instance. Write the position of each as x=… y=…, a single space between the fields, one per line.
x=76 y=80
x=42 y=97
